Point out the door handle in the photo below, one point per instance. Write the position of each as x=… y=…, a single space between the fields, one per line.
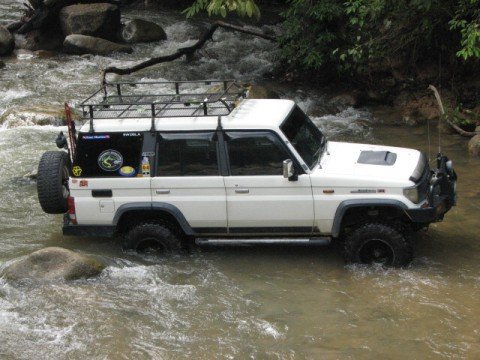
x=162 y=191
x=242 y=191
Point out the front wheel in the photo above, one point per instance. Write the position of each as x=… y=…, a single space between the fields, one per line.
x=378 y=243
x=152 y=236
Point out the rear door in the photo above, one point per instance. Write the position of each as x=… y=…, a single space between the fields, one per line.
x=259 y=199
x=107 y=174
x=188 y=177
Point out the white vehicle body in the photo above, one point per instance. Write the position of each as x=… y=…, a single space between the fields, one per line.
x=243 y=205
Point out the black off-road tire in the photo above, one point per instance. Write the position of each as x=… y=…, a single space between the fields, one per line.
x=154 y=235
x=52 y=182
x=378 y=243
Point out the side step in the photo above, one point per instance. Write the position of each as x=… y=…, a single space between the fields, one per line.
x=319 y=241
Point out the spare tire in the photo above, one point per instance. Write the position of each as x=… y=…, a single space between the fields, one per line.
x=52 y=182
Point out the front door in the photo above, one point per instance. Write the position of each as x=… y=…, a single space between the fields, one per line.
x=259 y=199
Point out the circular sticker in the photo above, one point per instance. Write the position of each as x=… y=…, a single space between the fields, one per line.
x=110 y=160
x=127 y=171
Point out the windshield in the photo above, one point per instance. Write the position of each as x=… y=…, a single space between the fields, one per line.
x=304 y=136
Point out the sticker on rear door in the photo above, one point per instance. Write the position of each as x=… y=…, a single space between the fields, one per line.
x=110 y=160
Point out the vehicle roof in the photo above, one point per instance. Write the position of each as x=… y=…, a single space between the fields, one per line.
x=249 y=114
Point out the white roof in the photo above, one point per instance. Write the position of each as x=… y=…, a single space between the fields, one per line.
x=250 y=114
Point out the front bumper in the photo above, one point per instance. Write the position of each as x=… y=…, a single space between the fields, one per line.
x=441 y=194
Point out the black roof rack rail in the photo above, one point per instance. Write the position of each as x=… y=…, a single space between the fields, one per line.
x=133 y=100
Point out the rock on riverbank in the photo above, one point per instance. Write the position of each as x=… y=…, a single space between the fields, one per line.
x=82 y=44
x=7 y=42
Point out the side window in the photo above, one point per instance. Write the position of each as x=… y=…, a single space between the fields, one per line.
x=187 y=154
x=108 y=155
x=255 y=154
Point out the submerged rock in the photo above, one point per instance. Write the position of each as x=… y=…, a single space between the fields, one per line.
x=345 y=100
x=53 y=263
x=474 y=145
x=101 y=20
x=139 y=30
x=7 y=43
x=34 y=115
x=83 y=44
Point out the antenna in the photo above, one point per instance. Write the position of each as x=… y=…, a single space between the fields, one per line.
x=429 y=142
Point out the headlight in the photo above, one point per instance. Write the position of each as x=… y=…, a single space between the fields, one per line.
x=411 y=194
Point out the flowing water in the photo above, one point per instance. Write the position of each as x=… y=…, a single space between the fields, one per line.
x=248 y=302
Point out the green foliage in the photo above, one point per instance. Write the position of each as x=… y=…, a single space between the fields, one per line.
x=223 y=7
x=467 y=21
x=312 y=32
x=354 y=36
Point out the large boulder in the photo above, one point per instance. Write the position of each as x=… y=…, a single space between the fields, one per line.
x=100 y=20
x=474 y=145
x=83 y=44
x=139 y=30
x=7 y=43
x=53 y=263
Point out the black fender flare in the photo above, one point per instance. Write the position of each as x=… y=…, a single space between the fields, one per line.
x=155 y=206
x=348 y=204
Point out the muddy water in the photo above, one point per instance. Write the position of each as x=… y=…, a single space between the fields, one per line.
x=260 y=302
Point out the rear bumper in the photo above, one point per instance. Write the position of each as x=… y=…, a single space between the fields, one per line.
x=88 y=230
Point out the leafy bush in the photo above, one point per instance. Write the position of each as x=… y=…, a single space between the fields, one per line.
x=223 y=7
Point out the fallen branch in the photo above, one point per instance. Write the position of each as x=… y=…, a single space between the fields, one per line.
x=186 y=51
x=445 y=116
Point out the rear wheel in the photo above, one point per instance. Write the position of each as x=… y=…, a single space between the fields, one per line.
x=378 y=243
x=52 y=182
x=152 y=236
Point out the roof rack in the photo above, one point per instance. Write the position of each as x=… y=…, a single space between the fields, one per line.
x=132 y=100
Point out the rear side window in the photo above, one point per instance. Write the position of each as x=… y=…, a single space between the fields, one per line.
x=108 y=155
x=255 y=154
x=187 y=154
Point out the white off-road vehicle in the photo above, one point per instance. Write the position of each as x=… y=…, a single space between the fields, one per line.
x=212 y=166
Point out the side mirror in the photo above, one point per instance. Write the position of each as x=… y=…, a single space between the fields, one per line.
x=289 y=171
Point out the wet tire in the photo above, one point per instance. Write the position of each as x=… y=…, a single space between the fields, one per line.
x=52 y=182
x=152 y=237
x=378 y=243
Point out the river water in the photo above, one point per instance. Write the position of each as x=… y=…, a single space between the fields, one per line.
x=248 y=302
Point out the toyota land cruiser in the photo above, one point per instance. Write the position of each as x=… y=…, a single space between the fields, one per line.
x=158 y=170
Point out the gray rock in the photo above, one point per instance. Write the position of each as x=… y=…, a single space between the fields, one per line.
x=53 y=263
x=100 y=20
x=344 y=100
x=83 y=44
x=7 y=43
x=474 y=145
x=139 y=30
x=2 y=64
